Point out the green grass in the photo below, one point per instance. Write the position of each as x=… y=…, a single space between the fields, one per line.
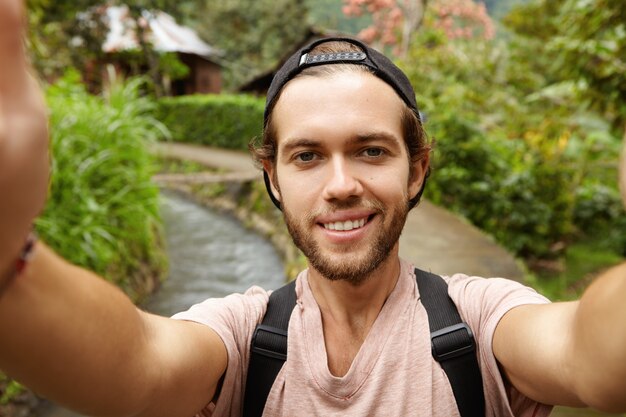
x=103 y=209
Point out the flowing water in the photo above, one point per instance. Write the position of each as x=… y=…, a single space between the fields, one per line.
x=211 y=255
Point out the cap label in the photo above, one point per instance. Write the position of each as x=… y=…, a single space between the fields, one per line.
x=334 y=57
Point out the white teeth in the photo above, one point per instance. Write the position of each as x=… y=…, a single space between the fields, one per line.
x=347 y=225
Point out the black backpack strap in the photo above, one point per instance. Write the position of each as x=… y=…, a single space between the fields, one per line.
x=268 y=352
x=453 y=344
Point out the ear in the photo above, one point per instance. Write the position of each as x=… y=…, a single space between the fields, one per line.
x=417 y=176
x=269 y=168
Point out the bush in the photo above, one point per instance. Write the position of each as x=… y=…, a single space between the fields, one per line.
x=102 y=212
x=514 y=153
x=519 y=193
x=225 y=121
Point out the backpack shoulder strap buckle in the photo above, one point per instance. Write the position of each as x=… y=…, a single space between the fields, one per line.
x=270 y=341
x=452 y=341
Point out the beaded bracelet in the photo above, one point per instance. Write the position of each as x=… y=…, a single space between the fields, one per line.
x=20 y=263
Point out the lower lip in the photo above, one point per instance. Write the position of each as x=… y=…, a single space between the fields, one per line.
x=346 y=236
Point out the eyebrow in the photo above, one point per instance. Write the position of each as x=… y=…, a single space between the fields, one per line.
x=295 y=143
x=376 y=136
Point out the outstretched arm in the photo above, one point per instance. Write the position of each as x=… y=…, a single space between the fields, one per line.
x=64 y=332
x=570 y=353
x=79 y=341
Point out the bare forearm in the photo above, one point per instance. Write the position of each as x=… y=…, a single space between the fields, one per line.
x=73 y=337
x=600 y=340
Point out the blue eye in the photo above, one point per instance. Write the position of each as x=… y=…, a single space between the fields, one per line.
x=373 y=152
x=305 y=156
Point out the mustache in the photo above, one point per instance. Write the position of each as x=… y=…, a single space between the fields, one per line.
x=373 y=205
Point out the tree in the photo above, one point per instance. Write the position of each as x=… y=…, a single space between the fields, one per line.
x=593 y=42
x=499 y=8
x=463 y=19
x=587 y=39
x=253 y=35
x=516 y=152
x=326 y=14
x=54 y=26
x=70 y=34
x=395 y=21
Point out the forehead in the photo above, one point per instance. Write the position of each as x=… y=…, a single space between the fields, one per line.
x=338 y=105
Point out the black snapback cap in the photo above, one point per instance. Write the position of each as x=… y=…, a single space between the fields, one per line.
x=381 y=67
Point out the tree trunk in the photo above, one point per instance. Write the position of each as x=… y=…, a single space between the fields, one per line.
x=413 y=11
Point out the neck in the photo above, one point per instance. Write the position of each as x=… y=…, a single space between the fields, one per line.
x=356 y=305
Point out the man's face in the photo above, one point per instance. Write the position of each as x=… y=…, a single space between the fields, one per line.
x=342 y=171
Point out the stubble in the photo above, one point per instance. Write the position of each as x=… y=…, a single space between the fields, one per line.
x=347 y=266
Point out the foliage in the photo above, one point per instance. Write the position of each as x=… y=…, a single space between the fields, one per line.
x=499 y=8
x=102 y=212
x=171 y=66
x=515 y=177
x=254 y=35
x=71 y=34
x=9 y=389
x=386 y=18
x=395 y=21
x=228 y=121
x=54 y=33
x=587 y=39
x=463 y=19
x=328 y=14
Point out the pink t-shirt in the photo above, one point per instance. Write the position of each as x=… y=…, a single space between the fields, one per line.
x=394 y=373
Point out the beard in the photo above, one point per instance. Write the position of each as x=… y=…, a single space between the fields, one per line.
x=346 y=265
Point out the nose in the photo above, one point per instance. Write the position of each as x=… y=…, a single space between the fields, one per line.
x=341 y=183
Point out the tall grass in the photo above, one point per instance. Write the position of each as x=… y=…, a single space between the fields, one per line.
x=102 y=211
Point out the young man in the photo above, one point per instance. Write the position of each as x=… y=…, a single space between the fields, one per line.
x=345 y=159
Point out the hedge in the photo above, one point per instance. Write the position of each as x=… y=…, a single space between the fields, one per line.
x=225 y=121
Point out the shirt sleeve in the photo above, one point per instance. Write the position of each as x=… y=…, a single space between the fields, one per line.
x=234 y=319
x=482 y=303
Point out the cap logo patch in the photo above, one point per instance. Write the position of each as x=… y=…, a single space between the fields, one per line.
x=307 y=59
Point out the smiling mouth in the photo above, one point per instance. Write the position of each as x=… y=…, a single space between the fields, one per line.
x=347 y=225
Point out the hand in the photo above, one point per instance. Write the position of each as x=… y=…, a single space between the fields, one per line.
x=24 y=160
